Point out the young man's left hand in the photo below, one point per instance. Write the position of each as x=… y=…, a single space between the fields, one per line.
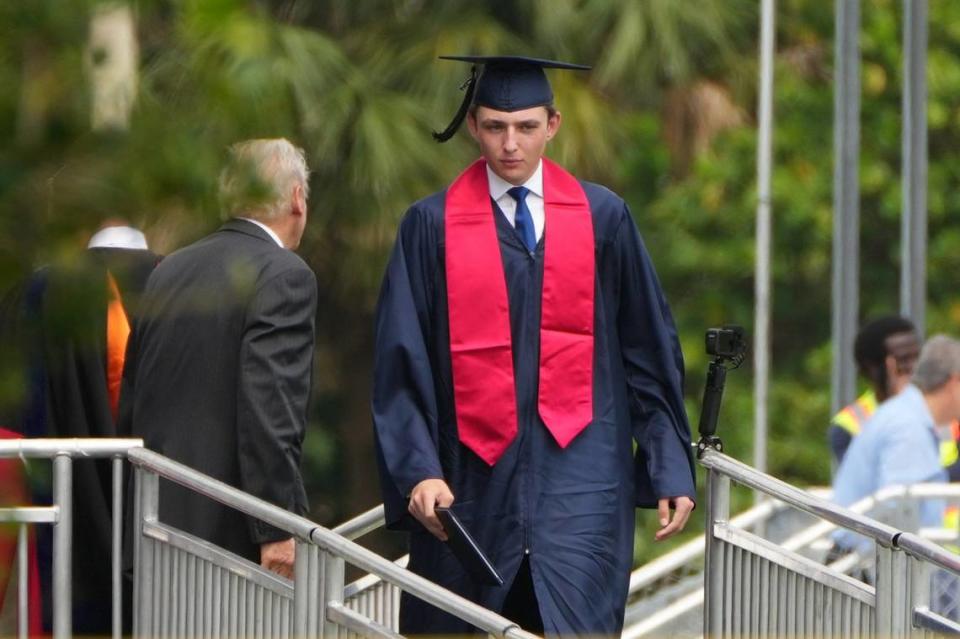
x=683 y=506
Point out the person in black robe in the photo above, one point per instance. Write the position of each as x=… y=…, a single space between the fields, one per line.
x=65 y=330
x=555 y=515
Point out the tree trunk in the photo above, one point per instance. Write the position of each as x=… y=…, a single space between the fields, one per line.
x=112 y=59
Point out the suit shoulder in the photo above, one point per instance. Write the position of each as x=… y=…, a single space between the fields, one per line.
x=220 y=251
x=289 y=261
x=289 y=268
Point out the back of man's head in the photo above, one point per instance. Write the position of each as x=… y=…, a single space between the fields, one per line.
x=939 y=361
x=259 y=178
x=870 y=348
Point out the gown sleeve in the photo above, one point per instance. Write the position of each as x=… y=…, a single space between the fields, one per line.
x=404 y=399
x=654 y=371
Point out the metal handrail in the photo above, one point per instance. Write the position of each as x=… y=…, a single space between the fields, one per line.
x=901 y=561
x=838 y=515
x=924 y=549
x=217 y=490
x=664 y=565
x=329 y=541
x=362 y=524
x=63 y=451
x=798 y=498
x=654 y=571
x=71 y=447
x=924 y=618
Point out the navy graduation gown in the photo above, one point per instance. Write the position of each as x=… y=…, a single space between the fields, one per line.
x=571 y=510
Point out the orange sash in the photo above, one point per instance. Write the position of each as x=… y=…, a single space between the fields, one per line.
x=118 y=332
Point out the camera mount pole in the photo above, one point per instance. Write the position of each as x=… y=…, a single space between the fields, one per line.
x=712 y=395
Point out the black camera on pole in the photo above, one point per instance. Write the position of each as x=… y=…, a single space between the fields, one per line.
x=728 y=348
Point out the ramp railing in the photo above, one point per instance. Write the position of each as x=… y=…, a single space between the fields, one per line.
x=895 y=505
x=371 y=596
x=184 y=586
x=755 y=587
x=59 y=515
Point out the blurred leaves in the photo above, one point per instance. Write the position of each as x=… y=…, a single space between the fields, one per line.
x=665 y=119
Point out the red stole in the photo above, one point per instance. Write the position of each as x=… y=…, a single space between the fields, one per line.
x=480 y=343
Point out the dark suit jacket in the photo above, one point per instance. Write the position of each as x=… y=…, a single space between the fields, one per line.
x=218 y=374
x=65 y=330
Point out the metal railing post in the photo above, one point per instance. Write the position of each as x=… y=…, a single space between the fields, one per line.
x=332 y=591
x=892 y=589
x=718 y=511
x=301 y=579
x=845 y=265
x=117 y=609
x=918 y=588
x=913 y=226
x=62 y=546
x=145 y=508
x=22 y=583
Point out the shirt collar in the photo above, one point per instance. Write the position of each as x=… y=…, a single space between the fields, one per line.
x=269 y=231
x=499 y=186
x=125 y=237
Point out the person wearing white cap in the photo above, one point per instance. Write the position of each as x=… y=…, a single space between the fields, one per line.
x=79 y=315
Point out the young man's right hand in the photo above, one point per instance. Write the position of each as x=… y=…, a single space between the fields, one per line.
x=425 y=496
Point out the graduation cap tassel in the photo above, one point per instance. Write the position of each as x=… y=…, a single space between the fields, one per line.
x=469 y=85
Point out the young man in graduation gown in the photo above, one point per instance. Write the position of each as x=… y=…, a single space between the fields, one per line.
x=219 y=367
x=528 y=375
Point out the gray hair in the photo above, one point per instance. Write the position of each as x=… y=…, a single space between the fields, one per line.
x=259 y=178
x=939 y=359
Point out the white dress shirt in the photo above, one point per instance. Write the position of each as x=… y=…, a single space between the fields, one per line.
x=270 y=231
x=498 y=191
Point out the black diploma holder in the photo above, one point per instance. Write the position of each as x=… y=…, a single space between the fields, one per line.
x=466 y=550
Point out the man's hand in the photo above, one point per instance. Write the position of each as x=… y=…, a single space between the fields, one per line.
x=278 y=557
x=683 y=506
x=425 y=497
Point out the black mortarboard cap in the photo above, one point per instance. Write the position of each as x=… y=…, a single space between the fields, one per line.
x=506 y=83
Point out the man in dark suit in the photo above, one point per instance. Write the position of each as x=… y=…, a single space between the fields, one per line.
x=75 y=318
x=219 y=366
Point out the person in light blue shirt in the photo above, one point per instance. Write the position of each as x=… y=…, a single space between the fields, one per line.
x=899 y=444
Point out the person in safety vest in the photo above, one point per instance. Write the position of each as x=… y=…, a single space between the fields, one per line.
x=886 y=351
x=900 y=444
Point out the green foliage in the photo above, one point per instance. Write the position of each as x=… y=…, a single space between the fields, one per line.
x=357 y=84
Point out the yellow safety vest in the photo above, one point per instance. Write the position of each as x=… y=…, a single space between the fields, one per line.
x=852 y=418
x=948 y=449
x=948 y=455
